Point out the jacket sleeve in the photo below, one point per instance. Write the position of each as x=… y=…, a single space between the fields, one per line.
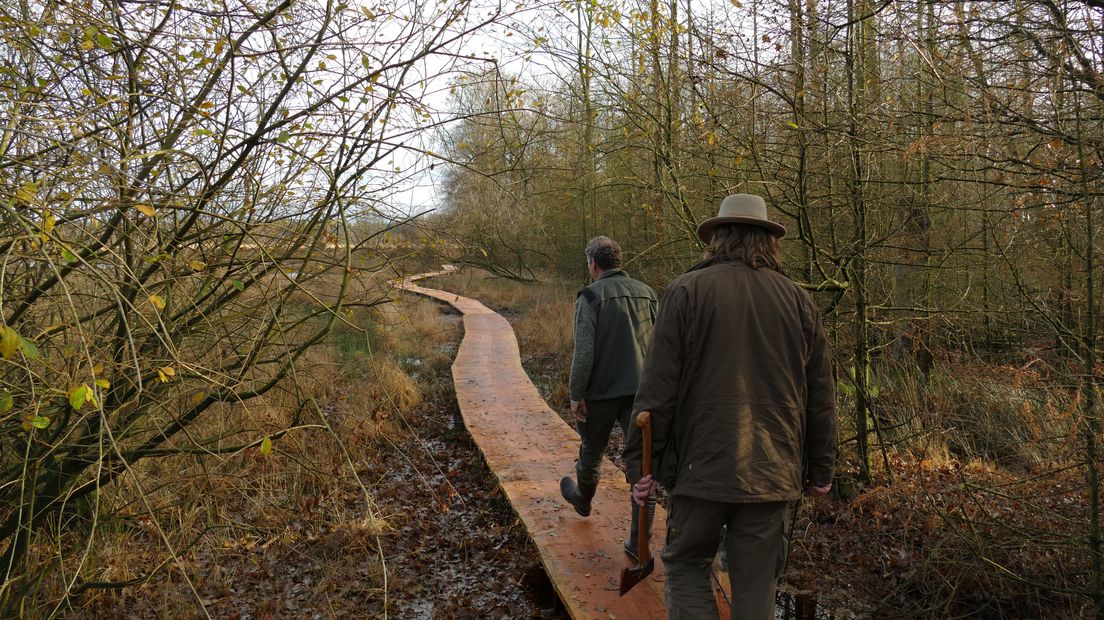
x=659 y=384
x=821 y=439
x=582 y=360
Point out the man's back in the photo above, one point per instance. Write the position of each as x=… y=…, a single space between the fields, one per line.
x=755 y=382
x=624 y=311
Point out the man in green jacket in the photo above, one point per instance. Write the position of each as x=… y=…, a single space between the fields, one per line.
x=613 y=324
x=739 y=384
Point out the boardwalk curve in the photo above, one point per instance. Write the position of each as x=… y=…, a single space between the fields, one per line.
x=529 y=448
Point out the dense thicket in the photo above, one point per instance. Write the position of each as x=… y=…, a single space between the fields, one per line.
x=180 y=183
x=939 y=166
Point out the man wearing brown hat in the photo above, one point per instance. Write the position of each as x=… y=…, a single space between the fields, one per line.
x=738 y=380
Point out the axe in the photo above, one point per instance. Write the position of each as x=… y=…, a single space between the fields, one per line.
x=635 y=574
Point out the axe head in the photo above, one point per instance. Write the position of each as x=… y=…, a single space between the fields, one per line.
x=635 y=574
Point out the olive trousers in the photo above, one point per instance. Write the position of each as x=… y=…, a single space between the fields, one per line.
x=756 y=548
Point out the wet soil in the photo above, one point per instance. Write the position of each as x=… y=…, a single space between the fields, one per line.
x=458 y=549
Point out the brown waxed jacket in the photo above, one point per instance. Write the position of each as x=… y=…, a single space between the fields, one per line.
x=738 y=378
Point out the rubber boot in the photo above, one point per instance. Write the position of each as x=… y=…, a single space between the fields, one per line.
x=722 y=549
x=578 y=496
x=631 y=542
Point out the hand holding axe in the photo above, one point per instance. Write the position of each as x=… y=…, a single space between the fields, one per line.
x=635 y=574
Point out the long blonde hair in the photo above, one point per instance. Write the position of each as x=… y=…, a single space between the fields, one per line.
x=751 y=244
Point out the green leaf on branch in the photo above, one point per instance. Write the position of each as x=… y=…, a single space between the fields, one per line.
x=238 y=284
x=266 y=446
x=29 y=350
x=78 y=396
x=6 y=401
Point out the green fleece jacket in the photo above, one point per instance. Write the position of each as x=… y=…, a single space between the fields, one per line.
x=613 y=324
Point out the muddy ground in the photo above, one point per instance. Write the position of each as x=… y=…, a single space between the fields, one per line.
x=457 y=550
x=461 y=552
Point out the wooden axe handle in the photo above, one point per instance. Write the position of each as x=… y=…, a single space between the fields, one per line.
x=644 y=422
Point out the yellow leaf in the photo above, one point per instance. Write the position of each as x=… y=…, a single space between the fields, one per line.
x=27 y=192
x=266 y=447
x=206 y=105
x=103 y=384
x=9 y=342
x=198 y=398
x=161 y=375
x=146 y=210
x=197 y=265
x=157 y=301
x=48 y=221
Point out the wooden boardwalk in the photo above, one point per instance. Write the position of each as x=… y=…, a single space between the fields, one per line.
x=529 y=448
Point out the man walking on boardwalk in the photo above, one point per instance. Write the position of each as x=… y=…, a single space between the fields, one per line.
x=613 y=324
x=739 y=384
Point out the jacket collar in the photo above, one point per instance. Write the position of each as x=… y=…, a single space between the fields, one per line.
x=608 y=274
x=716 y=260
x=719 y=260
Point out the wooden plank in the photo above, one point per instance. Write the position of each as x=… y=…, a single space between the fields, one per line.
x=529 y=448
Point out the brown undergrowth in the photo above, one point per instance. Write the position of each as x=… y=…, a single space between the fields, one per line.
x=376 y=503
x=326 y=518
x=976 y=508
x=275 y=528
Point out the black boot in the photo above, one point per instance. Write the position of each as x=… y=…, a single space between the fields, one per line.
x=722 y=549
x=578 y=496
x=631 y=542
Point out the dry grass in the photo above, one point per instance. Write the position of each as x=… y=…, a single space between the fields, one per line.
x=1015 y=418
x=222 y=521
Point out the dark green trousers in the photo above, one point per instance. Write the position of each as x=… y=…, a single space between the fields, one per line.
x=756 y=549
x=595 y=434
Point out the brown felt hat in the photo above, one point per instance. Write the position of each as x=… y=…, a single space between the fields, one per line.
x=740 y=209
